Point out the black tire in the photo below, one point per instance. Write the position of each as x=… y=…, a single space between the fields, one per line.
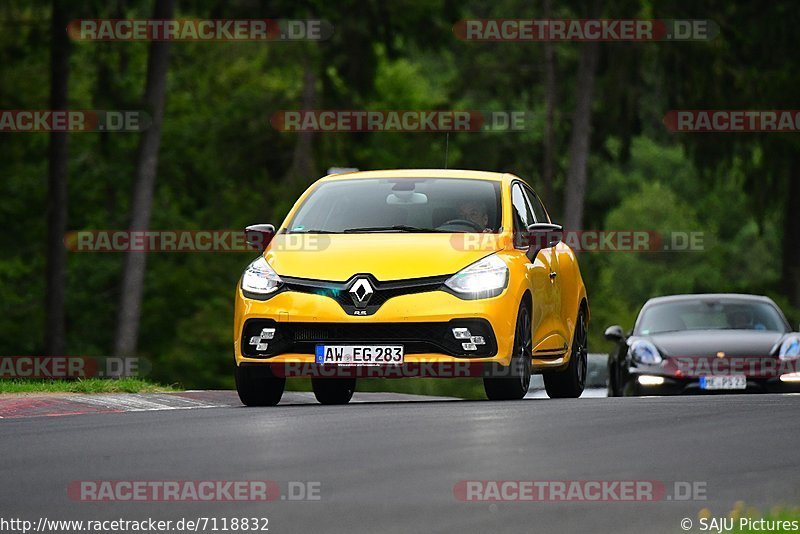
x=612 y=382
x=515 y=384
x=569 y=383
x=333 y=390
x=257 y=386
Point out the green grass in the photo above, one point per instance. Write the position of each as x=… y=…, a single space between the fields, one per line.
x=462 y=388
x=89 y=385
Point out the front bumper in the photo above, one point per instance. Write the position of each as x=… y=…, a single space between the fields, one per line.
x=421 y=322
x=691 y=386
x=416 y=337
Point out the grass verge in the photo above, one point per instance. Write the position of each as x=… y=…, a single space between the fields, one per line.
x=89 y=385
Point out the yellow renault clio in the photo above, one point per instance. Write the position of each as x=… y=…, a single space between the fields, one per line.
x=410 y=267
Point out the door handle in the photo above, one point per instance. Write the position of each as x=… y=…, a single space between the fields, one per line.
x=553 y=275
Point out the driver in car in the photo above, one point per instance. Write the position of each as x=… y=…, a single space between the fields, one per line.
x=474 y=212
x=744 y=320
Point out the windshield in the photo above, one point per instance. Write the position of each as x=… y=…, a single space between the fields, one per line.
x=710 y=314
x=400 y=205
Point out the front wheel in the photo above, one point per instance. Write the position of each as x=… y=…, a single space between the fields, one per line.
x=612 y=382
x=515 y=386
x=257 y=386
x=333 y=390
x=569 y=383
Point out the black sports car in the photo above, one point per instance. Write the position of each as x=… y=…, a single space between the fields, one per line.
x=705 y=343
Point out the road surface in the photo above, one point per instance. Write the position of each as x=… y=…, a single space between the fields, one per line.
x=392 y=466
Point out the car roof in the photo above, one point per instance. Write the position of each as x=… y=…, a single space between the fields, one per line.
x=423 y=173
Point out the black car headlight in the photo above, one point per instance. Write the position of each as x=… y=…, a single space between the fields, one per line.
x=790 y=348
x=643 y=351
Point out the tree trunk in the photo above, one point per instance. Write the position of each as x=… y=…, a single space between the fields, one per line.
x=549 y=104
x=303 y=168
x=581 y=139
x=55 y=330
x=126 y=339
x=791 y=237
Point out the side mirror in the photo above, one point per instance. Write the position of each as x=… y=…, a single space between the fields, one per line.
x=542 y=236
x=259 y=235
x=615 y=333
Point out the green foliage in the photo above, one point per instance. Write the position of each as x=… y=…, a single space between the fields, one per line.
x=660 y=190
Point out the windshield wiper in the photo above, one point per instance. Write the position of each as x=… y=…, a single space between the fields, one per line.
x=393 y=228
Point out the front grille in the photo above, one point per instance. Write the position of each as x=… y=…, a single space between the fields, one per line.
x=382 y=291
x=417 y=338
x=310 y=334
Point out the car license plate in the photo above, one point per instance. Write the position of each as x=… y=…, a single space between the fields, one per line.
x=359 y=354
x=723 y=382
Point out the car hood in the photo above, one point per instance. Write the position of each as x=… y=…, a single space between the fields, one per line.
x=387 y=256
x=707 y=343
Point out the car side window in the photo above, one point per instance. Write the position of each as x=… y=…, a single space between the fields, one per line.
x=539 y=213
x=522 y=213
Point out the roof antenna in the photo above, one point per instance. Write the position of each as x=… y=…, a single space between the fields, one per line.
x=446 y=147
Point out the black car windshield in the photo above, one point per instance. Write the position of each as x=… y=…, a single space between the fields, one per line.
x=419 y=205
x=710 y=314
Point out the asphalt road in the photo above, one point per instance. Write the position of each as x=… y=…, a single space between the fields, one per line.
x=392 y=467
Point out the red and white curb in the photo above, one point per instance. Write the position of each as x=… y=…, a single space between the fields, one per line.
x=53 y=405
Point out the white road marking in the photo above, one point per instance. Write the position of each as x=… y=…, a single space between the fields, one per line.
x=134 y=402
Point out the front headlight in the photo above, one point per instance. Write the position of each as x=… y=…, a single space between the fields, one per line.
x=790 y=348
x=260 y=278
x=483 y=279
x=642 y=351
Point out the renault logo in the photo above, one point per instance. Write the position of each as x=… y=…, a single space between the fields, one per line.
x=361 y=292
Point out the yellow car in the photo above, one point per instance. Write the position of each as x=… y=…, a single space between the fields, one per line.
x=397 y=268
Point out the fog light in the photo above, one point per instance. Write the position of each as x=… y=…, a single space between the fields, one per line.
x=469 y=346
x=462 y=333
x=649 y=380
x=790 y=377
x=478 y=340
x=267 y=333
